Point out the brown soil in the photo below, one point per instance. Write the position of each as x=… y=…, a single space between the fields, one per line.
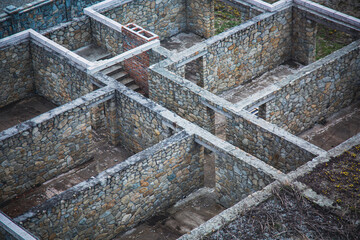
x=287 y=215
x=339 y=180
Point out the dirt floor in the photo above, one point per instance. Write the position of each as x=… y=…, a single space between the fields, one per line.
x=23 y=110
x=339 y=180
x=336 y=129
x=257 y=84
x=181 y=41
x=287 y=215
x=184 y=216
x=105 y=156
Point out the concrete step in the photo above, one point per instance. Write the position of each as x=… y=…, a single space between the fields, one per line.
x=112 y=70
x=120 y=75
x=127 y=81
x=103 y=56
x=134 y=87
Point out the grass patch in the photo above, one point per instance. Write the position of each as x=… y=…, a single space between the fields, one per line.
x=226 y=17
x=329 y=40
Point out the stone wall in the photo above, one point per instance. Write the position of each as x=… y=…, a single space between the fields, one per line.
x=303 y=37
x=170 y=91
x=46 y=146
x=200 y=17
x=17 y=76
x=43 y=15
x=108 y=38
x=162 y=17
x=235 y=180
x=122 y=196
x=317 y=91
x=247 y=51
x=267 y=143
x=57 y=78
x=72 y=35
x=138 y=127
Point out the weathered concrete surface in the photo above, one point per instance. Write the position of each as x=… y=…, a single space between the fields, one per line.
x=337 y=128
x=23 y=110
x=181 y=41
x=105 y=156
x=184 y=216
x=93 y=53
x=274 y=76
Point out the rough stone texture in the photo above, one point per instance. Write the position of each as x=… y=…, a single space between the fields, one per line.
x=124 y=195
x=163 y=17
x=71 y=35
x=265 y=145
x=235 y=179
x=182 y=100
x=42 y=16
x=57 y=78
x=108 y=38
x=317 y=91
x=200 y=17
x=303 y=38
x=43 y=147
x=16 y=73
x=248 y=51
x=138 y=127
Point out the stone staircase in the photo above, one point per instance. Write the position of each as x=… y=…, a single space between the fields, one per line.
x=117 y=72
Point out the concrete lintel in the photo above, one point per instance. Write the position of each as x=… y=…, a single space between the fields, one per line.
x=15 y=39
x=261 y=102
x=13 y=229
x=108 y=4
x=100 y=65
x=328 y=12
x=102 y=19
x=182 y=63
x=216 y=109
x=213 y=149
x=101 y=101
x=59 y=49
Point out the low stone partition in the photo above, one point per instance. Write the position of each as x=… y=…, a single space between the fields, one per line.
x=16 y=79
x=71 y=35
x=248 y=50
x=46 y=146
x=57 y=78
x=269 y=143
x=181 y=96
x=237 y=173
x=315 y=92
x=41 y=14
x=81 y=32
x=123 y=195
x=176 y=16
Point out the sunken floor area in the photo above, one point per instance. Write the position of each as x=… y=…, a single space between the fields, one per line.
x=23 y=110
x=104 y=157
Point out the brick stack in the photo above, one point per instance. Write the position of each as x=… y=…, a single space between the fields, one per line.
x=137 y=66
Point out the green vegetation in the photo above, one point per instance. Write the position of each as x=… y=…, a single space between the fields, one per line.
x=329 y=40
x=225 y=17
